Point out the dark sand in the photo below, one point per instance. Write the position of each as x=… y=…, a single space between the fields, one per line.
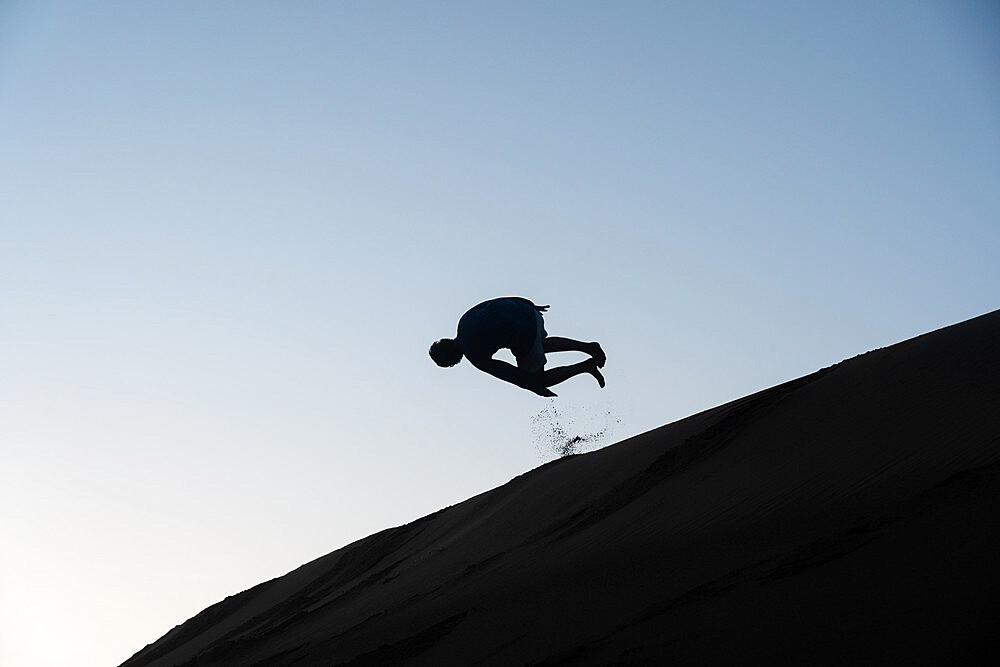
x=850 y=516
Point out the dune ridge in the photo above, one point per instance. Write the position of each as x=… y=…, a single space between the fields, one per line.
x=848 y=515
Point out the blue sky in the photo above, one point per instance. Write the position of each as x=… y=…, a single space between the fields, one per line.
x=230 y=230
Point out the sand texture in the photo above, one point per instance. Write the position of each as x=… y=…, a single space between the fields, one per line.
x=850 y=516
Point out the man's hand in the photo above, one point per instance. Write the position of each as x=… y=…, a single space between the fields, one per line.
x=545 y=391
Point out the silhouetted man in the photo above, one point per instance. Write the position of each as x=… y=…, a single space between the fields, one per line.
x=516 y=324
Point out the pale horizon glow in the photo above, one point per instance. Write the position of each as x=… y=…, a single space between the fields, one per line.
x=231 y=230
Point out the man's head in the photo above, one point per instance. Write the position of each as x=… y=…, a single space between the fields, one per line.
x=446 y=352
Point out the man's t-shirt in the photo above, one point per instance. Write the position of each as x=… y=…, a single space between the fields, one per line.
x=508 y=322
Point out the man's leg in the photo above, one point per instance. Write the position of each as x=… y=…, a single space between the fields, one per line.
x=554 y=376
x=560 y=344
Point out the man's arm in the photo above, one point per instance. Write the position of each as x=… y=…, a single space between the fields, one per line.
x=511 y=373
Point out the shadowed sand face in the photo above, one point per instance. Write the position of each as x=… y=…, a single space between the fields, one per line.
x=847 y=516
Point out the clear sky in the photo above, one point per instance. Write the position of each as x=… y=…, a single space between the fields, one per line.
x=230 y=230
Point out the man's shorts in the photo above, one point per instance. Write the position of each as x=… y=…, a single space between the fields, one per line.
x=534 y=361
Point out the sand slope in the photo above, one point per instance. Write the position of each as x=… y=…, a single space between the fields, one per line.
x=850 y=515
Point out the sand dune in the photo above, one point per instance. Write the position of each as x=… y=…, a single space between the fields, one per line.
x=851 y=516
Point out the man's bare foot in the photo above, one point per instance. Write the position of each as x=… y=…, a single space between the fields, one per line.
x=597 y=376
x=597 y=353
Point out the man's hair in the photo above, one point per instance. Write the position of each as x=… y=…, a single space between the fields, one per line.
x=446 y=352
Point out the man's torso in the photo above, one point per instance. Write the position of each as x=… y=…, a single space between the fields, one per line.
x=507 y=322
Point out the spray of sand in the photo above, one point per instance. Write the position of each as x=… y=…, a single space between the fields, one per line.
x=563 y=429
